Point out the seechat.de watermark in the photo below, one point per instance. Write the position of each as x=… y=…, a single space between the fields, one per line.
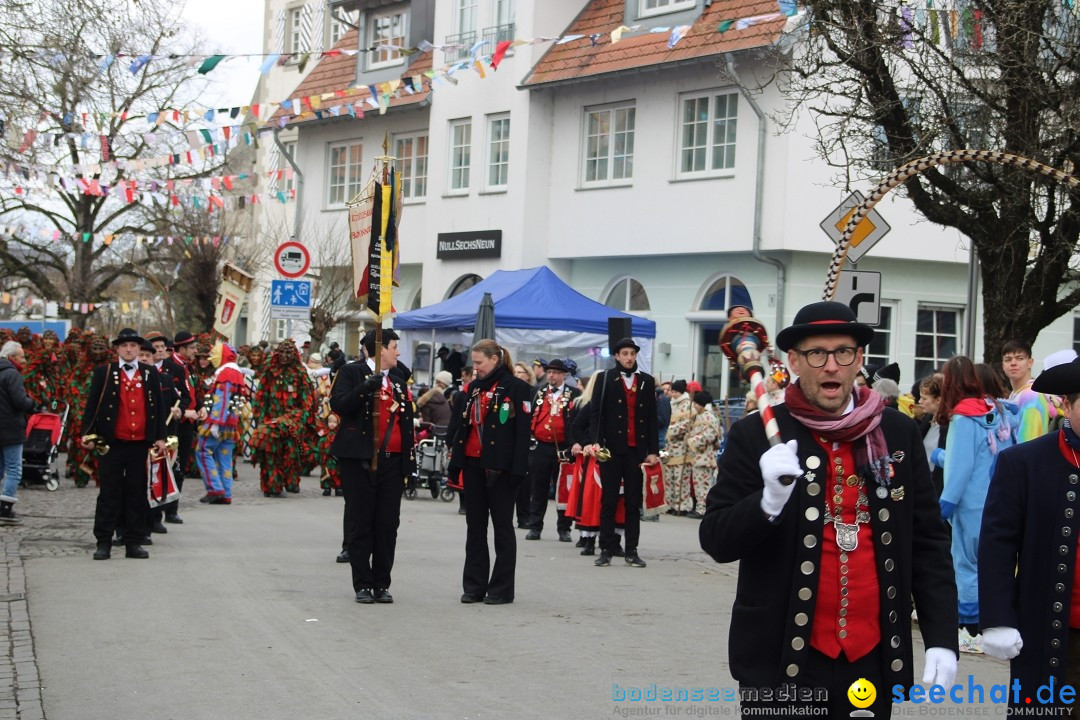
x=973 y=693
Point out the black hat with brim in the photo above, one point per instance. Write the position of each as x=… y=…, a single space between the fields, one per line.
x=557 y=365
x=183 y=338
x=127 y=335
x=625 y=343
x=824 y=318
x=1061 y=379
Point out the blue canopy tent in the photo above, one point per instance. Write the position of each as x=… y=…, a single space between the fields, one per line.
x=536 y=314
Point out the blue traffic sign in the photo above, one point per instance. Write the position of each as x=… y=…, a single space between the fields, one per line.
x=290 y=293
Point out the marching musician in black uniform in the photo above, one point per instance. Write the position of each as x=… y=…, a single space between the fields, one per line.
x=491 y=445
x=1028 y=606
x=124 y=410
x=373 y=495
x=177 y=397
x=553 y=404
x=622 y=419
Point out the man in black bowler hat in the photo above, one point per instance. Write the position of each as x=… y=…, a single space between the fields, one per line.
x=373 y=495
x=836 y=531
x=124 y=410
x=623 y=420
x=553 y=404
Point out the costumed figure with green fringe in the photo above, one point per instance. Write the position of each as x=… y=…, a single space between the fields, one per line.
x=284 y=405
x=82 y=463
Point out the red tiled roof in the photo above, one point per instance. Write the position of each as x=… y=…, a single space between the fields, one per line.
x=331 y=80
x=640 y=48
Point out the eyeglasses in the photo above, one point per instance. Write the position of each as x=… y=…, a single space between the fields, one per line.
x=816 y=358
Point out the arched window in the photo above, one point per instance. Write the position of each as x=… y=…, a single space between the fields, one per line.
x=416 y=304
x=628 y=295
x=464 y=283
x=716 y=297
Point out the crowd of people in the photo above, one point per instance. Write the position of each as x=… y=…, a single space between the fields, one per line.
x=959 y=498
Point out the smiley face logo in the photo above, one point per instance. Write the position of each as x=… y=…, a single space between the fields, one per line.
x=862 y=693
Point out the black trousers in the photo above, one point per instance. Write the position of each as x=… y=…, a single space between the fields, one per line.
x=622 y=470
x=122 y=499
x=543 y=469
x=486 y=497
x=523 y=502
x=372 y=515
x=825 y=676
x=185 y=434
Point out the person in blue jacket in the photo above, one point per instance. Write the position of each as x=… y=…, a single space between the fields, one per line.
x=977 y=431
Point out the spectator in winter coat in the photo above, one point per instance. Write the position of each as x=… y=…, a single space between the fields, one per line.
x=433 y=404
x=15 y=403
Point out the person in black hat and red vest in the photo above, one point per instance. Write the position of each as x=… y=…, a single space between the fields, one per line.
x=553 y=404
x=1028 y=606
x=183 y=356
x=124 y=410
x=373 y=496
x=622 y=419
x=835 y=531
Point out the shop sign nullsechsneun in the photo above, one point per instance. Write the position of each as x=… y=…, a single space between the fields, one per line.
x=466 y=245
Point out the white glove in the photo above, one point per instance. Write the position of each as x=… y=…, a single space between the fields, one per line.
x=215 y=431
x=1003 y=643
x=940 y=667
x=778 y=461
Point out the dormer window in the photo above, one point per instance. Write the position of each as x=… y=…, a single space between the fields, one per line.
x=648 y=8
x=388 y=36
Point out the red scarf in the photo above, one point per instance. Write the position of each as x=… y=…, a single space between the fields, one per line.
x=861 y=426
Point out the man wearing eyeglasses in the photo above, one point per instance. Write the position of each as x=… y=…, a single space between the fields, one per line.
x=835 y=531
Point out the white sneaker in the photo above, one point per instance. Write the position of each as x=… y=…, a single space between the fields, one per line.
x=968 y=644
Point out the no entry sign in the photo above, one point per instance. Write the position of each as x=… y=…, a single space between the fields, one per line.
x=292 y=259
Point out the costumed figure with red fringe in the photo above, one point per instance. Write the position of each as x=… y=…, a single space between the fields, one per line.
x=284 y=405
x=82 y=464
x=221 y=417
x=42 y=372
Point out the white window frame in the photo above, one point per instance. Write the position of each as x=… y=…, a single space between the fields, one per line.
x=281 y=329
x=891 y=332
x=460 y=9
x=337 y=27
x=501 y=164
x=937 y=307
x=625 y=283
x=710 y=141
x=414 y=166
x=387 y=58
x=296 y=32
x=609 y=156
x=460 y=184
x=352 y=170
x=502 y=12
x=663 y=7
x=289 y=174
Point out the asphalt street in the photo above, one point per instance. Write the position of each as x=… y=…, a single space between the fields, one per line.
x=242 y=612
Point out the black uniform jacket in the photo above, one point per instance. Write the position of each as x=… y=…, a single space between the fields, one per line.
x=505 y=444
x=1027 y=556
x=180 y=390
x=779 y=561
x=607 y=413
x=569 y=412
x=353 y=405
x=103 y=402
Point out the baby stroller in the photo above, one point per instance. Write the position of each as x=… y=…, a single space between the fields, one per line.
x=432 y=457
x=43 y=433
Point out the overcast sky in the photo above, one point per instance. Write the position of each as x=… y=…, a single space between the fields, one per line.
x=229 y=26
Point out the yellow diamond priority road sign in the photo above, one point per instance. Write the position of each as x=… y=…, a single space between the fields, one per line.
x=872 y=228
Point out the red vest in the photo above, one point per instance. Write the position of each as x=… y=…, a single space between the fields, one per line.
x=477 y=410
x=131 y=415
x=631 y=409
x=386 y=414
x=847 y=617
x=548 y=426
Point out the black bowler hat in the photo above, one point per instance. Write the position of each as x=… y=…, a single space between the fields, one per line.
x=183 y=338
x=127 y=335
x=557 y=364
x=146 y=346
x=625 y=343
x=1061 y=379
x=824 y=318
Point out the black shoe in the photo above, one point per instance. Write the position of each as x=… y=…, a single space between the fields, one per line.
x=681 y=513
x=633 y=560
x=103 y=552
x=338 y=492
x=580 y=541
x=343 y=556
x=208 y=498
x=146 y=541
x=266 y=493
x=137 y=552
x=524 y=526
x=365 y=597
x=617 y=552
x=564 y=536
x=158 y=528
x=604 y=560
x=118 y=542
x=461 y=511
x=174 y=519
x=532 y=535
x=326 y=492
x=467 y=598
x=382 y=595
x=672 y=511
x=491 y=600
x=694 y=515
x=589 y=548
